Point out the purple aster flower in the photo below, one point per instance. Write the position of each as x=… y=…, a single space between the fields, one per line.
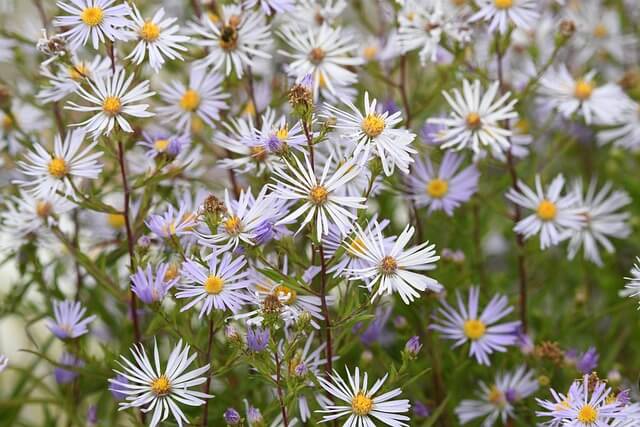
x=65 y=376
x=585 y=362
x=624 y=397
x=148 y=288
x=267 y=230
x=421 y=410
x=159 y=143
x=254 y=416
x=231 y=417
x=257 y=339
x=413 y=346
x=429 y=132
x=172 y=222
x=444 y=189
x=391 y=106
x=68 y=322
x=376 y=331
x=92 y=415
x=117 y=391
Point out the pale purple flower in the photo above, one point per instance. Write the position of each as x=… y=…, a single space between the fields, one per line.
x=149 y=288
x=376 y=331
x=69 y=322
x=585 y=362
x=92 y=415
x=445 y=188
x=413 y=346
x=231 y=417
x=163 y=143
x=257 y=339
x=173 y=222
x=421 y=410
x=65 y=376
x=117 y=391
x=481 y=330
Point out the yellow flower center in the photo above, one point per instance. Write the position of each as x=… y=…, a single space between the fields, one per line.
x=58 y=167
x=233 y=225
x=587 y=414
x=523 y=125
x=149 y=32
x=283 y=133
x=316 y=55
x=437 y=188
x=318 y=195
x=474 y=121
x=258 y=152
x=357 y=246
x=115 y=220
x=111 y=105
x=389 y=265
x=372 y=125
x=495 y=396
x=583 y=90
x=250 y=109
x=161 y=386
x=190 y=101
x=7 y=122
x=170 y=228
x=547 y=210
x=43 y=209
x=92 y=16
x=213 y=285
x=78 y=71
x=161 y=145
x=370 y=52
x=286 y=291
x=611 y=399
x=474 y=329
x=600 y=31
x=361 y=404
x=565 y=404
x=172 y=272
x=503 y=4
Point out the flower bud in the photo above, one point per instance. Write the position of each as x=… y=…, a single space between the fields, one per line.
x=232 y=417
x=413 y=346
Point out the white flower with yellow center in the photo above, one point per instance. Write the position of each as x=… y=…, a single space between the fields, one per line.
x=360 y=403
x=481 y=330
x=583 y=97
x=112 y=100
x=376 y=132
x=157 y=36
x=234 y=40
x=522 y=13
x=49 y=173
x=222 y=286
x=97 y=20
x=67 y=78
x=391 y=267
x=555 y=216
x=476 y=120
x=151 y=388
x=320 y=201
x=201 y=100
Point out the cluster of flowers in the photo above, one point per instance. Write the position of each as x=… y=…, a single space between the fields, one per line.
x=265 y=204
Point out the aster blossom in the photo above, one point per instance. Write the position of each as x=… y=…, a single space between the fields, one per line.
x=501 y=13
x=149 y=287
x=69 y=321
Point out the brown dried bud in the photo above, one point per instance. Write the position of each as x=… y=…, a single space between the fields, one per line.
x=213 y=205
x=549 y=350
x=567 y=28
x=271 y=304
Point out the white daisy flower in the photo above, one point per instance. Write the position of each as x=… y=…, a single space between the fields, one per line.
x=602 y=220
x=67 y=79
x=475 y=121
x=157 y=36
x=150 y=388
x=626 y=133
x=234 y=40
x=374 y=131
x=361 y=404
x=316 y=13
x=632 y=287
x=604 y=104
x=522 y=13
x=29 y=214
x=97 y=20
x=324 y=53
x=222 y=286
x=52 y=172
x=112 y=100
x=498 y=400
x=467 y=325
x=555 y=216
x=202 y=98
x=392 y=267
x=320 y=202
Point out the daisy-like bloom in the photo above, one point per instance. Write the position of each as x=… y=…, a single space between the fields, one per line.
x=51 y=172
x=242 y=220
x=66 y=80
x=69 y=322
x=315 y=13
x=149 y=288
x=97 y=20
x=475 y=121
x=375 y=131
x=162 y=143
x=498 y=400
x=444 y=189
x=234 y=40
x=173 y=222
x=148 y=387
x=582 y=96
x=626 y=133
x=479 y=329
x=586 y=405
x=392 y=267
x=26 y=214
x=555 y=215
x=202 y=98
x=157 y=36
x=602 y=220
x=271 y=6
x=361 y=405
x=222 y=286
x=319 y=200
x=112 y=99
x=325 y=53
x=522 y=13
